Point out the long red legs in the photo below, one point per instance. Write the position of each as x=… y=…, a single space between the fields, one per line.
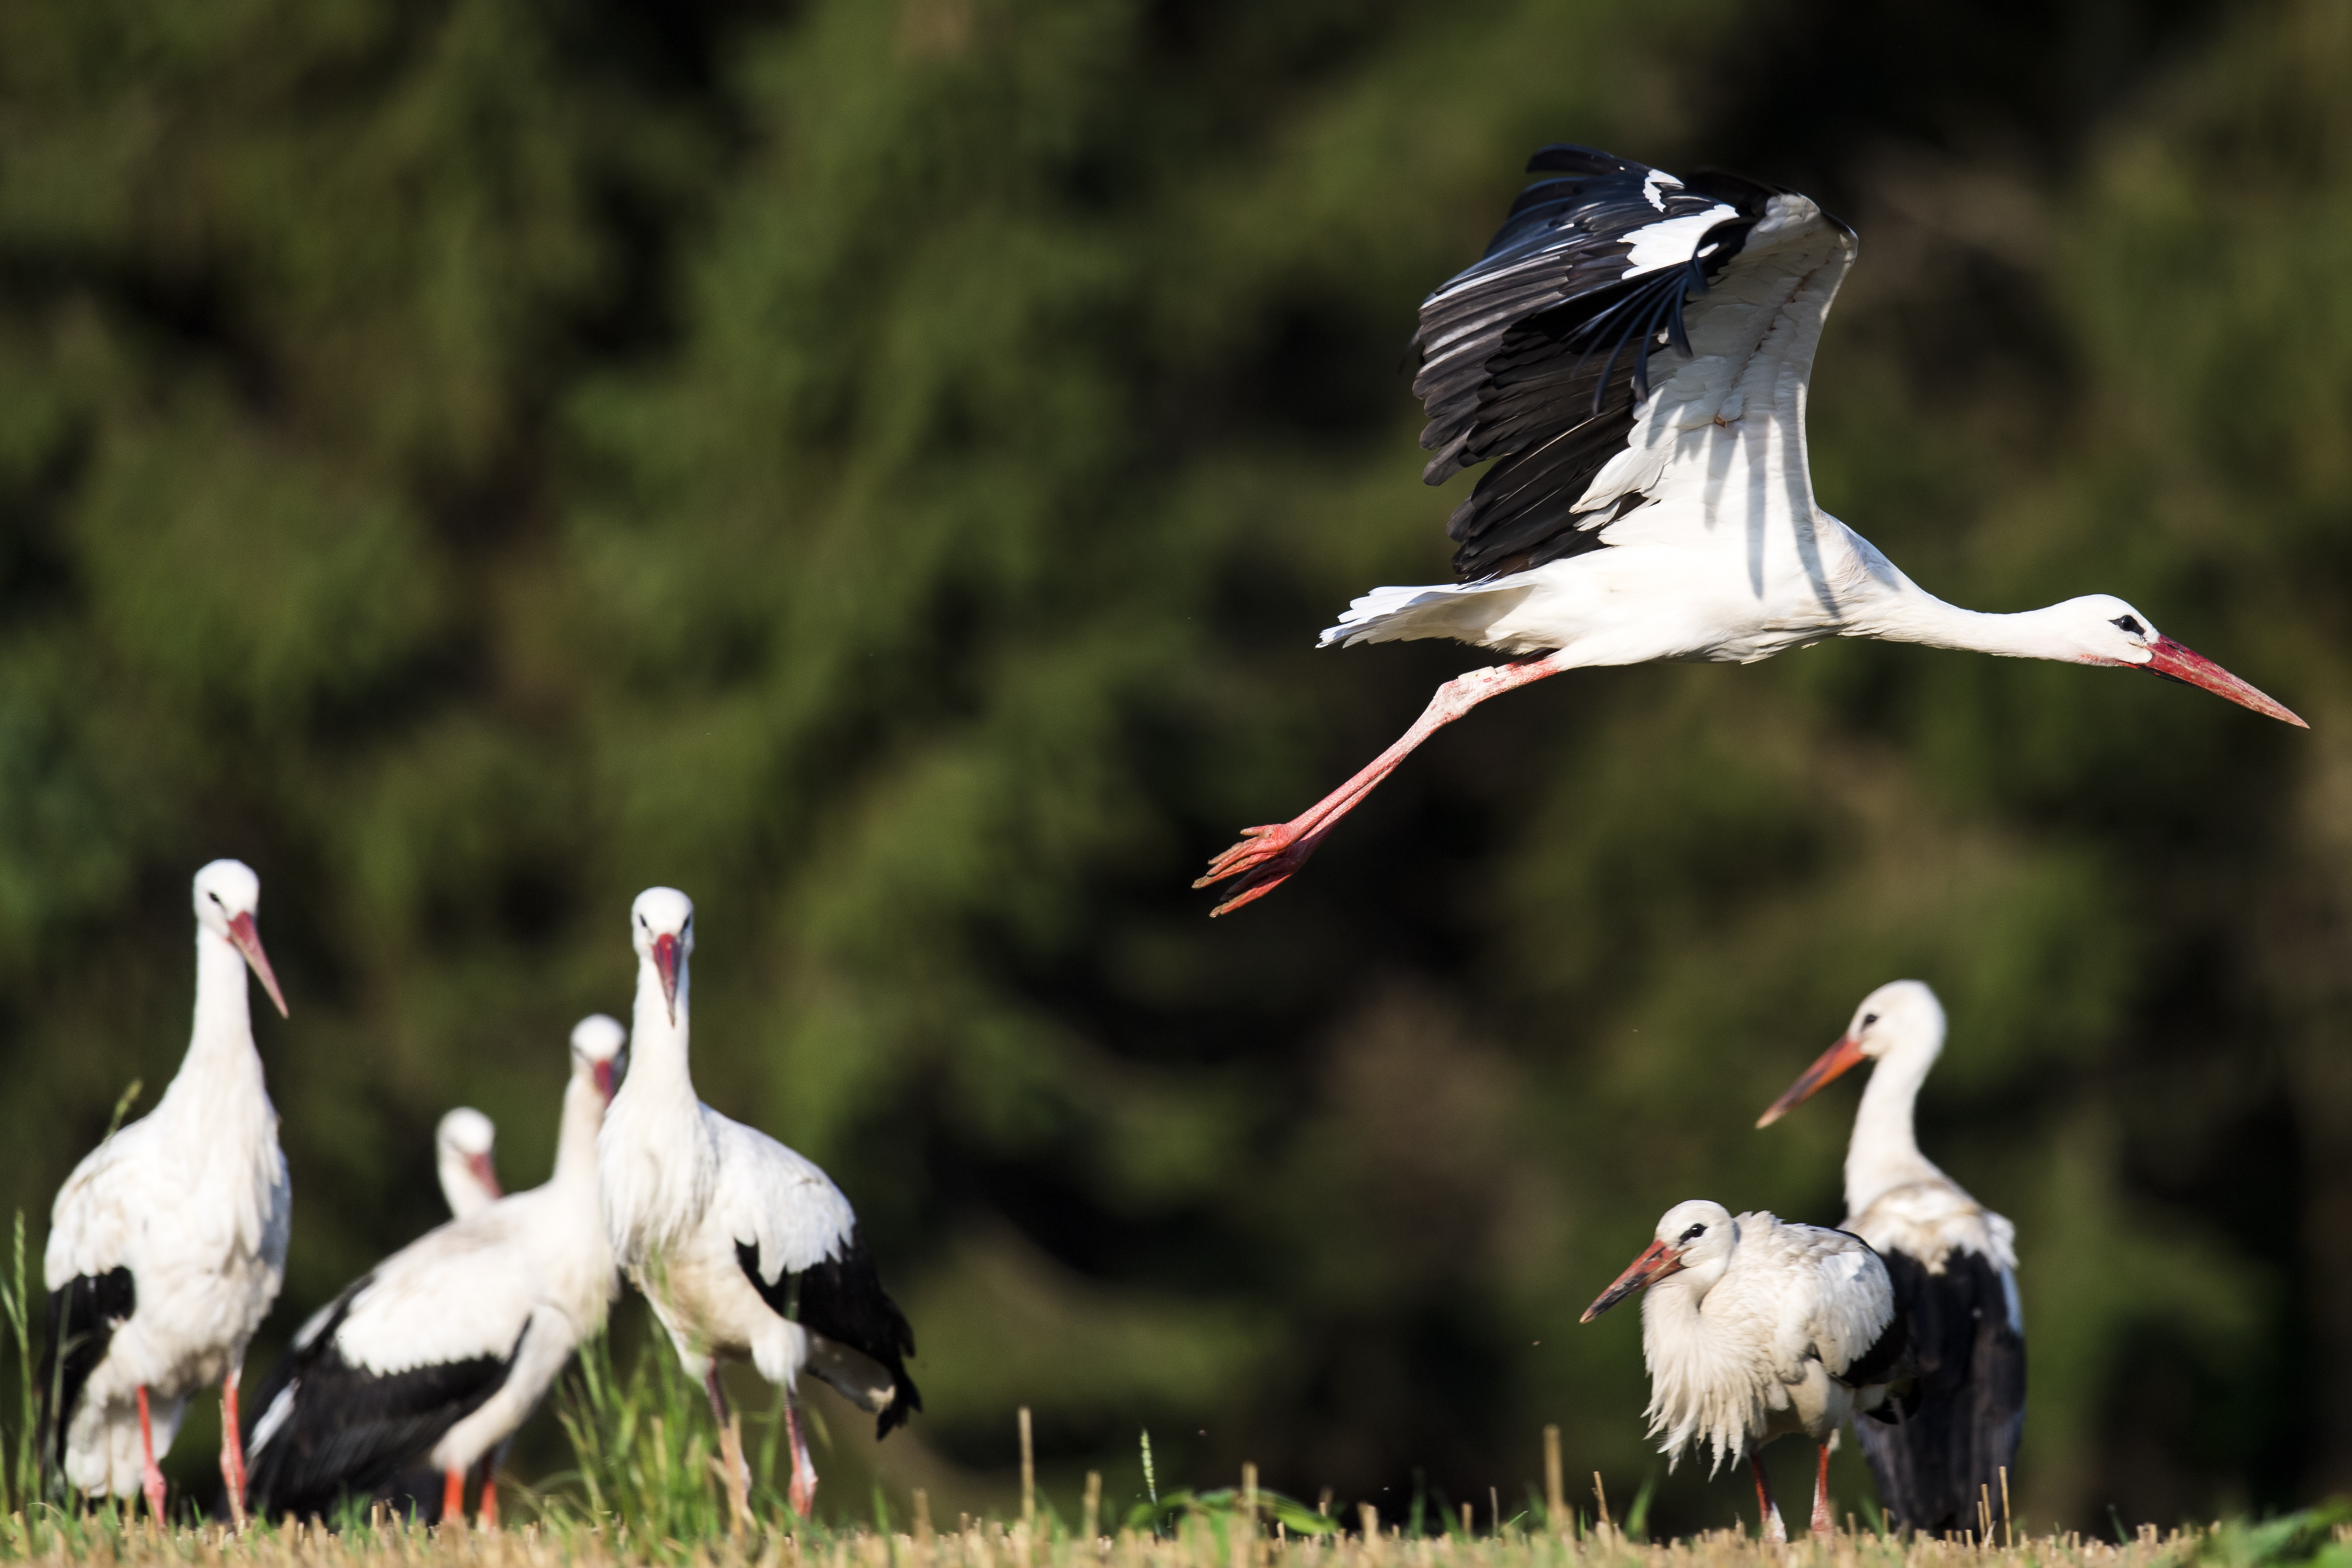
x=803 y=1488
x=232 y=1452
x=1267 y=857
x=487 y=1511
x=730 y=1453
x=150 y=1479
x=1769 y=1524
x=1823 y=1524
x=453 y=1496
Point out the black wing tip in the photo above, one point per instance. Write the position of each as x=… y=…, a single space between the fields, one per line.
x=1573 y=158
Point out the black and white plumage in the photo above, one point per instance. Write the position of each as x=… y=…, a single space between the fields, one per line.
x=167 y=1244
x=1632 y=355
x=465 y=1158
x=746 y=1249
x=439 y=1353
x=1954 y=1265
x=1753 y=1329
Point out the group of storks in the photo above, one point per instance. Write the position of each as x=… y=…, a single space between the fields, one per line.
x=1633 y=354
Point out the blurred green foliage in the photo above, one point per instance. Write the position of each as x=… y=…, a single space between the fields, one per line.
x=880 y=466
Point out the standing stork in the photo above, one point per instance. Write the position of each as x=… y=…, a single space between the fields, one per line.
x=1954 y=1266
x=463 y=1147
x=746 y=1249
x=439 y=1353
x=167 y=1244
x=1632 y=353
x=1755 y=1329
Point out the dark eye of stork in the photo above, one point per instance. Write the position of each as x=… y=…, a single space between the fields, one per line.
x=1693 y=1233
x=2129 y=624
x=215 y=898
x=1868 y=1020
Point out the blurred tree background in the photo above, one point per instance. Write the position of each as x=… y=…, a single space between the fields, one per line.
x=880 y=466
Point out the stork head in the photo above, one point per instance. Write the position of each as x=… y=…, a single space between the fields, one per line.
x=600 y=1049
x=1695 y=1237
x=2100 y=629
x=464 y=1140
x=227 y=894
x=1900 y=1016
x=662 y=926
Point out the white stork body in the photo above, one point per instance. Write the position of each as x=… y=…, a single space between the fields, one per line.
x=1954 y=1267
x=1632 y=517
x=465 y=1147
x=746 y=1249
x=439 y=1353
x=167 y=1244
x=1755 y=1329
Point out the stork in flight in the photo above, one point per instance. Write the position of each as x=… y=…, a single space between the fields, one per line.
x=1954 y=1267
x=746 y=1249
x=1753 y=1329
x=438 y=1353
x=167 y=1244
x=1632 y=353
x=463 y=1145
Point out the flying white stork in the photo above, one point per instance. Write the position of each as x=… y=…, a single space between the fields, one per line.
x=746 y=1249
x=1755 y=1329
x=167 y=1244
x=1954 y=1267
x=463 y=1149
x=439 y=1353
x=1633 y=351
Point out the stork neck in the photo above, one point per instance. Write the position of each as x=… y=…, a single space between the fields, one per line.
x=575 y=1141
x=1915 y=616
x=1884 y=1153
x=220 y=1046
x=657 y=1042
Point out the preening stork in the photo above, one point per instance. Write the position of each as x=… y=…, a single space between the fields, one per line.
x=168 y=1242
x=1633 y=354
x=1954 y=1267
x=439 y=1353
x=746 y=1249
x=1755 y=1329
x=463 y=1149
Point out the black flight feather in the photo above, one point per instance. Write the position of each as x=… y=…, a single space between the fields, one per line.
x=82 y=1318
x=1938 y=1460
x=349 y=1432
x=843 y=1300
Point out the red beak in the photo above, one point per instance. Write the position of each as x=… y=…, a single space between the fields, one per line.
x=486 y=1174
x=1658 y=1261
x=1837 y=1060
x=665 y=964
x=2174 y=662
x=606 y=1073
x=247 y=941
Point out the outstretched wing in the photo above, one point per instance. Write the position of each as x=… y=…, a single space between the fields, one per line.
x=1539 y=356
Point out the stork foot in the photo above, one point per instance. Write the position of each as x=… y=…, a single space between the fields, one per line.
x=1824 y=1523
x=803 y=1491
x=1768 y=1512
x=739 y=1475
x=453 y=1498
x=1265 y=857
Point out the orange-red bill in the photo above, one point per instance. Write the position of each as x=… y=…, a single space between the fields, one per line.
x=1658 y=1261
x=666 y=965
x=2186 y=665
x=1837 y=1060
x=486 y=1174
x=248 y=941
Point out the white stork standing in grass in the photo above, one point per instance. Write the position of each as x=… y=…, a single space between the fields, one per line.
x=1954 y=1267
x=1633 y=351
x=1755 y=1329
x=745 y=1249
x=463 y=1145
x=168 y=1242
x=439 y=1353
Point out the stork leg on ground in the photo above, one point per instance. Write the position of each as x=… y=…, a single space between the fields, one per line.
x=804 y=1486
x=150 y=1479
x=1822 y=1523
x=1267 y=856
x=232 y=1452
x=1768 y=1512
x=487 y=1511
x=731 y=1452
